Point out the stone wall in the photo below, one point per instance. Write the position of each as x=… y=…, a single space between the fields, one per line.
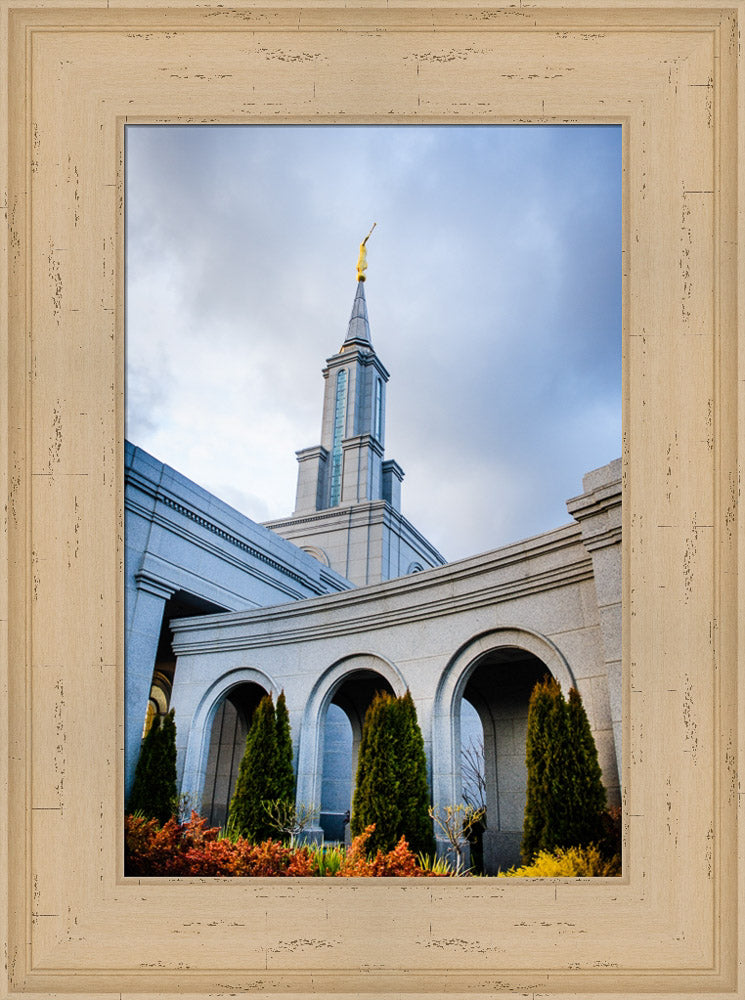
x=533 y=603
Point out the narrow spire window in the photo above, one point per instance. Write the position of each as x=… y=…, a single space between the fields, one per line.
x=378 y=421
x=339 y=415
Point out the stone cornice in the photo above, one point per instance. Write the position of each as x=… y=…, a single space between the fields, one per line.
x=152 y=584
x=325 y=514
x=256 y=553
x=432 y=593
x=362 y=441
x=281 y=584
x=361 y=355
x=379 y=619
x=360 y=513
x=598 y=512
x=599 y=501
x=216 y=529
x=391 y=465
x=314 y=451
x=602 y=539
x=601 y=494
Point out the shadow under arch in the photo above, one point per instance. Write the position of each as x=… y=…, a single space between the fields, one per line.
x=358 y=667
x=200 y=727
x=495 y=672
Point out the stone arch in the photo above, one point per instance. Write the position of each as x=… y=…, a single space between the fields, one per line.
x=312 y=729
x=415 y=567
x=317 y=553
x=200 y=727
x=517 y=657
x=159 y=701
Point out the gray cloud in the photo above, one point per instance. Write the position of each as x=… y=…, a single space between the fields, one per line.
x=494 y=293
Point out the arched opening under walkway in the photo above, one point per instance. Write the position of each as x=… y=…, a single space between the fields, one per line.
x=345 y=715
x=179 y=605
x=497 y=691
x=227 y=742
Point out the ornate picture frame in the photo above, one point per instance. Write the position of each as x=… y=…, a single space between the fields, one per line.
x=76 y=74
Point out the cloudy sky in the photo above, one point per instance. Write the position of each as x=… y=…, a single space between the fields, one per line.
x=494 y=296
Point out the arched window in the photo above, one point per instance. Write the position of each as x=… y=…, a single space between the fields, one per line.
x=152 y=711
x=160 y=696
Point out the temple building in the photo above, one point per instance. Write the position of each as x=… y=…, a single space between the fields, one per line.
x=344 y=598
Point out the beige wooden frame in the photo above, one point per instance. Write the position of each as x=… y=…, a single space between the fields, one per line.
x=76 y=72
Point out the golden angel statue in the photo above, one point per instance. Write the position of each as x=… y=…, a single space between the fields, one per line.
x=362 y=259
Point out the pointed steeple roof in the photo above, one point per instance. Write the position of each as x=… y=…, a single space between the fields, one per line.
x=358 y=333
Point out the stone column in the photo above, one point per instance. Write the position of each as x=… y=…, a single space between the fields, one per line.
x=362 y=464
x=309 y=773
x=311 y=479
x=393 y=476
x=149 y=598
x=192 y=732
x=598 y=513
x=446 y=773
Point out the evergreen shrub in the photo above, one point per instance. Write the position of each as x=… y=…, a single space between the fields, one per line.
x=565 y=795
x=265 y=773
x=154 y=790
x=285 y=776
x=391 y=792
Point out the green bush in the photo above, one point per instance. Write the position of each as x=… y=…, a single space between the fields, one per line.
x=416 y=823
x=154 y=792
x=391 y=789
x=285 y=776
x=265 y=773
x=611 y=836
x=375 y=794
x=588 y=798
x=565 y=795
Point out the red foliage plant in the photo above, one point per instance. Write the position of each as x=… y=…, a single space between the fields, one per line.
x=193 y=849
x=398 y=862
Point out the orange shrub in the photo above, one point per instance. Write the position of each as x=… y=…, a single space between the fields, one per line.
x=399 y=862
x=194 y=849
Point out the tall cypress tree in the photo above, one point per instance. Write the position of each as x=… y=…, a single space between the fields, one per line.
x=416 y=823
x=154 y=791
x=285 y=776
x=256 y=777
x=565 y=796
x=538 y=803
x=376 y=794
x=138 y=801
x=391 y=787
x=588 y=793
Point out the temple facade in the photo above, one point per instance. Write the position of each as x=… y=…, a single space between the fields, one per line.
x=344 y=598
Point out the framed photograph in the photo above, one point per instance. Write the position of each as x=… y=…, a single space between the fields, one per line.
x=258 y=358
x=76 y=76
